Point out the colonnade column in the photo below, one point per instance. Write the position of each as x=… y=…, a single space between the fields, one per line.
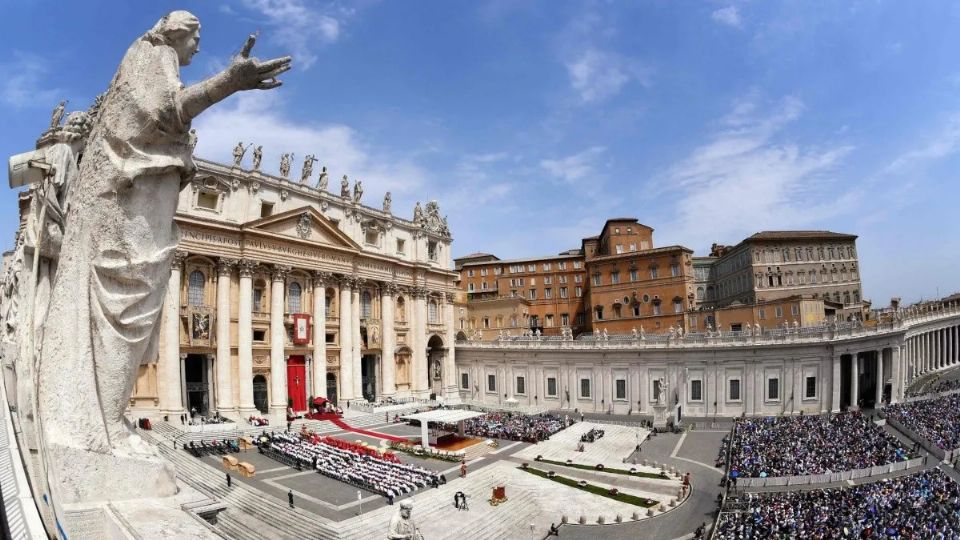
x=170 y=378
x=356 y=340
x=320 y=280
x=278 y=341
x=449 y=360
x=854 y=382
x=223 y=360
x=245 y=338
x=388 y=365
x=896 y=388
x=835 y=400
x=420 y=384
x=879 y=396
x=345 y=384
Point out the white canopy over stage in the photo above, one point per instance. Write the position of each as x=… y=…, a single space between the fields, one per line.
x=441 y=416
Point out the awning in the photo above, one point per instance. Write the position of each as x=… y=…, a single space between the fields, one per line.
x=443 y=416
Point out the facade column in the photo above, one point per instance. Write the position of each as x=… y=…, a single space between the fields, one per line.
x=855 y=382
x=420 y=383
x=345 y=384
x=245 y=338
x=388 y=361
x=449 y=360
x=169 y=372
x=835 y=401
x=184 y=398
x=320 y=280
x=224 y=395
x=278 y=341
x=879 y=396
x=896 y=388
x=357 y=341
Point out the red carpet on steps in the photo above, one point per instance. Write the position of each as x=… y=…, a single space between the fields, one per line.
x=343 y=425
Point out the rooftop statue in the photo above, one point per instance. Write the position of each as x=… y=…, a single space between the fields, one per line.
x=57 y=114
x=238 y=151
x=357 y=191
x=387 y=203
x=257 y=156
x=322 y=181
x=307 y=170
x=115 y=263
x=345 y=187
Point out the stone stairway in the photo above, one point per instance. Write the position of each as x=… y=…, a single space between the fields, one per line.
x=476 y=451
x=250 y=513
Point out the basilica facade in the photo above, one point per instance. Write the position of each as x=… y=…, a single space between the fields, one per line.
x=282 y=292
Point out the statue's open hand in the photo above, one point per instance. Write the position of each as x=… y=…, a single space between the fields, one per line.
x=250 y=73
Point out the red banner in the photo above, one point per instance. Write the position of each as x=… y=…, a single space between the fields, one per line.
x=301 y=328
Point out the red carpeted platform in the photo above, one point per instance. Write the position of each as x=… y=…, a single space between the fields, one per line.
x=343 y=425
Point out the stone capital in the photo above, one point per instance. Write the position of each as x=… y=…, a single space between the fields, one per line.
x=183 y=356
x=322 y=279
x=246 y=267
x=418 y=292
x=178 y=257
x=225 y=266
x=280 y=272
x=390 y=289
x=346 y=282
x=448 y=297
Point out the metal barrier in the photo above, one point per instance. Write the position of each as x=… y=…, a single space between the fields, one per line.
x=811 y=479
x=926 y=443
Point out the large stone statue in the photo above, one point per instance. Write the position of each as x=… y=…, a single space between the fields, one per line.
x=418 y=214
x=57 y=114
x=307 y=168
x=345 y=187
x=387 y=202
x=285 y=161
x=357 y=192
x=402 y=526
x=257 y=156
x=238 y=151
x=115 y=262
x=322 y=181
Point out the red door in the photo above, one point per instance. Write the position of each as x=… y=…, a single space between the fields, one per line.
x=297 y=382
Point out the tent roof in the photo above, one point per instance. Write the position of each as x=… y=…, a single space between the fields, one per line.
x=443 y=416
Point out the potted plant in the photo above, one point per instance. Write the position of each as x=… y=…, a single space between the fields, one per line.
x=582 y=483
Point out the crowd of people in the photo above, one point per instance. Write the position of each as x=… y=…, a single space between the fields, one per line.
x=921 y=506
x=937 y=420
x=514 y=426
x=934 y=387
x=592 y=435
x=214 y=447
x=802 y=445
x=347 y=462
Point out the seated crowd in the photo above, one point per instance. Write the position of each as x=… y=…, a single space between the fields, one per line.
x=592 y=435
x=513 y=426
x=354 y=464
x=213 y=447
x=802 y=445
x=934 y=387
x=921 y=506
x=937 y=420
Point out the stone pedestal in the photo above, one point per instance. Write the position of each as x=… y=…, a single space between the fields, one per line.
x=95 y=477
x=660 y=416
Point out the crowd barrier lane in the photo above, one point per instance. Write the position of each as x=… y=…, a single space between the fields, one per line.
x=826 y=478
x=926 y=443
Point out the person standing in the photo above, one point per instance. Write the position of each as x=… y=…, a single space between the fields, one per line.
x=290 y=497
x=463 y=468
x=229 y=480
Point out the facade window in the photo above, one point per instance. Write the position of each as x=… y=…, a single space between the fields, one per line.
x=696 y=390
x=552 y=386
x=491 y=383
x=578 y=278
x=469 y=273
x=195 y=287
x=562 y=279
x=779 y=311
x=469 y=287
x=577 y=265
x=328 y=306
x=633 y=246
x=208 y=200
x=795 y=310
x=810 y=389
x=579 y=291
x=761 y=314
x=633 y=275
x=599 y=313
x=621 y=390
x=656 y=390
x=678 y=306
x=401 y=246
x=533 y=294
x=616 y=311
x=562 y=265
x=581 y=319
x=258 y=299
x=521 y=386
x=372 y=238
x=531 y=268
x=266 y=209
x=432 y=312
x=675 y=270
x=294 y=297
x=546 y=267
x=533 y=281
x=734 y=392
x=636 y=310
x=483 y=272
x=773 y=389
x=563 y=292
x=432 y=250
x=699 y=294
x=653 y=272
x=486 y=322
x=483 y=286
x=366 y=305
x=548 y=320
x=798 y=254
x=585 y=388
x=619 y=248
x=548 y=280
x=596 y=279
x=615 y=277
x=465 y=381
x=565 y=319
x=656 y=309
x=548 y=293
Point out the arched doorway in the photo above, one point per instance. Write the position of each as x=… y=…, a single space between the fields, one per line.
x=196 y=375
x=435 y=355
x=332 y=388
x=260 y=393
x=461 y=336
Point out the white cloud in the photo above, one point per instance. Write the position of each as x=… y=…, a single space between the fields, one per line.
x=943 y=144
x=729 y=16
x=24 y=84
x=256 y=117
x=598 y=75
x=300 y=27
x=747 y=178
x=576 y=167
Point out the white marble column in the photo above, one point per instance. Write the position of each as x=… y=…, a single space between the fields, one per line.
x=879 y=395
x=420 y=384
x=245 y=338
x=345 y=384
x=223 y=361
x=357 y=341
x=170 y=378
x=835 y=400
x=449 y=360
x=320 y=280
x=278 y=342
x=896 y=388
x=388 y=363
x=854 y=382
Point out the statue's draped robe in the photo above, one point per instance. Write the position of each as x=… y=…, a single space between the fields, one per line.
x=115 y=261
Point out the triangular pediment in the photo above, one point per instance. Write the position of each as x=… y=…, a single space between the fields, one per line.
x=304 y=224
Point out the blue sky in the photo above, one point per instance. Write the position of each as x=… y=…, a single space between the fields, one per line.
x=533 y=122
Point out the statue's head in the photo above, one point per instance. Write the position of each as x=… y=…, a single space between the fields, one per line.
x=179 y=30
x=405 y=508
